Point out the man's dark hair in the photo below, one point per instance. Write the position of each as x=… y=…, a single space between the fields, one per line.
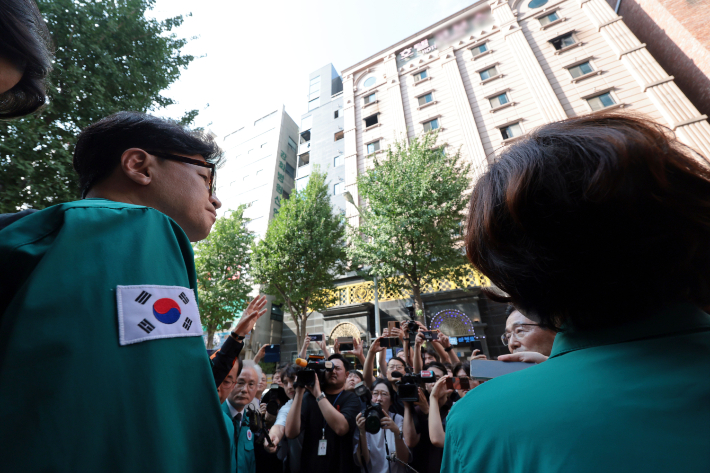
x=509 y=309
x=346 y=363
x=25 y=41
x=593 y=222
x=435 y=364
x=356 y=373
x=431 y=351
x=398 y=359
x=100 y=146
x=289 y=371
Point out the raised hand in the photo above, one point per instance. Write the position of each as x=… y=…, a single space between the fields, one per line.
x=255 y=309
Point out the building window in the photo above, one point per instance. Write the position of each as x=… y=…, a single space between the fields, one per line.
x=431 y=125
x=547 y=19
x=285 y=195
x=291 y=143
x=601 y=101
x=314 y=88
x=563 y=41
x=536 y=3
x=499 y=100
x=371 y=120
x=373 y=147
x=304 y=159
x=580 y=69
x=301 y=183
x=369 y=99
x=337 y=161
x=336 y=114
x=425 y=99
x=421 y=75
x=288 y=169
x=259 y=172
x=313 y=104
x=480 y=49
x=370 y=81
x=339 y=135
x=488 y=73
x=511 y=131
x=338 y=188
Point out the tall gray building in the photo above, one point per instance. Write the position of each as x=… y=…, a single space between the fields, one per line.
x=321 y=142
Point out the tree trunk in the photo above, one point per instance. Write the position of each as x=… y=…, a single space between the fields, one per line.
x=418 y=305
x=210 y=338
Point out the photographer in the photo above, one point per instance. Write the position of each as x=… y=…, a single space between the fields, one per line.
x=326 y=419
x=288 y=376
x=371 y=449
x=427 y=456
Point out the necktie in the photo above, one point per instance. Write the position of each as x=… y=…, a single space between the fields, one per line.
x=237 y=420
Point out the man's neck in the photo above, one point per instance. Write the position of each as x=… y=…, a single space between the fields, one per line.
x=333 y=389
x=236 y=407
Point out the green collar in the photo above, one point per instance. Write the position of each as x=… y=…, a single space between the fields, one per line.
x=678 y=318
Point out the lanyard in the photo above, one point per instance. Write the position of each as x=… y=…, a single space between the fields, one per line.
x=325 y=423
x=387 y=448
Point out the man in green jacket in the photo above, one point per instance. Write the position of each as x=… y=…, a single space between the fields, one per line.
x=102 y=362
x=596 y=227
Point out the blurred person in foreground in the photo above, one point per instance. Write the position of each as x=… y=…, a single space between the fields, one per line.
x=101 y=293
x=526 y=340
x=599 y=227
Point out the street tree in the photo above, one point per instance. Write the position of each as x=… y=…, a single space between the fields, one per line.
x=302 y=253
x=109 y=57
x=410 y=230
x=222 y=263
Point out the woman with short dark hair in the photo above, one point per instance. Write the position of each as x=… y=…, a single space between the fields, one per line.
x=597 y=227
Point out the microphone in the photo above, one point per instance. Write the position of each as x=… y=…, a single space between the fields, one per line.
x=396 y=374
x=393 y=458
x=301 y=362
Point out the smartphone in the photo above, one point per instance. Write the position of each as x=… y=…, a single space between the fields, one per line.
x=389 y=342
x=430 y=335
x=477 y=345
x=450 y=383
x=489 y=369
x=346 y=343
x=393 y=324
x=461 y=383
x=316 y=337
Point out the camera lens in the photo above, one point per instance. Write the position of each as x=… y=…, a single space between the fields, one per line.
x=372 y=421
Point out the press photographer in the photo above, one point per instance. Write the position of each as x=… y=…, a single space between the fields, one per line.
x=326 y=418
x=379 y=434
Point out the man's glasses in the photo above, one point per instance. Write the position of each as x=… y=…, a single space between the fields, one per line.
x=518 y=332
x=213 y=171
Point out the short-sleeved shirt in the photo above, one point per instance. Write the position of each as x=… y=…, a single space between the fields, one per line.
x=339 y=454
x=74 y=398
x=380 y=445
x=283 y=413
x=635 y=397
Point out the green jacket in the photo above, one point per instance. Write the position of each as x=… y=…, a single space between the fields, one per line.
x=244 y=448
x=79 y=393
x=632 y=398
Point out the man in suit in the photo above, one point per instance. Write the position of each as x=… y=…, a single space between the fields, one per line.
x=235 y=407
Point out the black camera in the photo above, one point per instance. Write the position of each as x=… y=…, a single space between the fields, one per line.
x=409 y=385
x=274 y=398
x=312 y=368
x=373 y=413
x=258 y=427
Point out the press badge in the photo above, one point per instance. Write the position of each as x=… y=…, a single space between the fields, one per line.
x=153 y=312
x=322 y=447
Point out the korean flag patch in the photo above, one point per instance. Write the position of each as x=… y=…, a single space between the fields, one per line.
x=152 y=312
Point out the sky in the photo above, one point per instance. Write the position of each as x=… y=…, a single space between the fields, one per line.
x=250 y=56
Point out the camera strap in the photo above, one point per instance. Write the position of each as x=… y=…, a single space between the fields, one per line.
x=387 y=448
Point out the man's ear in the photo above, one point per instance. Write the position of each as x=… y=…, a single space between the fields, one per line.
x=138 y=166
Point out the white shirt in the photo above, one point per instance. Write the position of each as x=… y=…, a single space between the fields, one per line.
x=233 y=411
x=283 y=413
x=378 y=451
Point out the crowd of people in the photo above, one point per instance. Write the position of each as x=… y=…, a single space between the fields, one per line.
x=595 y=231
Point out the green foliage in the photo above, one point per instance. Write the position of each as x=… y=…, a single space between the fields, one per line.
x=410 y=231
x=222 y=260
x=302 y=252
x=109 y=57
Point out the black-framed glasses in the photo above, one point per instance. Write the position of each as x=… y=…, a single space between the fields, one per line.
x=211 y=166
x=517 y=332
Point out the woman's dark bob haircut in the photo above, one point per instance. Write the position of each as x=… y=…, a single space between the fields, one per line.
x=25 y=41
x=594 y=221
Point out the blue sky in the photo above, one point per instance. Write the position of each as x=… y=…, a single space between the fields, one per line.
x=253 y=54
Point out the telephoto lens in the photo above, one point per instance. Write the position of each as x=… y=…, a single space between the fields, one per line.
x=373 y=415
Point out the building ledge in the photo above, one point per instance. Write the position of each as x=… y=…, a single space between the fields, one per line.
x=371 y=103
x=348 y=310
x=513 y=139
x=491 y=79
x=423 y=80
x=567 y=48
x=611 y=107
x=553 y=23
x=373 y=126
x=585 y=76
x=427 y=104
x=478 y=56
x=690 y=121
x=501 y=107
